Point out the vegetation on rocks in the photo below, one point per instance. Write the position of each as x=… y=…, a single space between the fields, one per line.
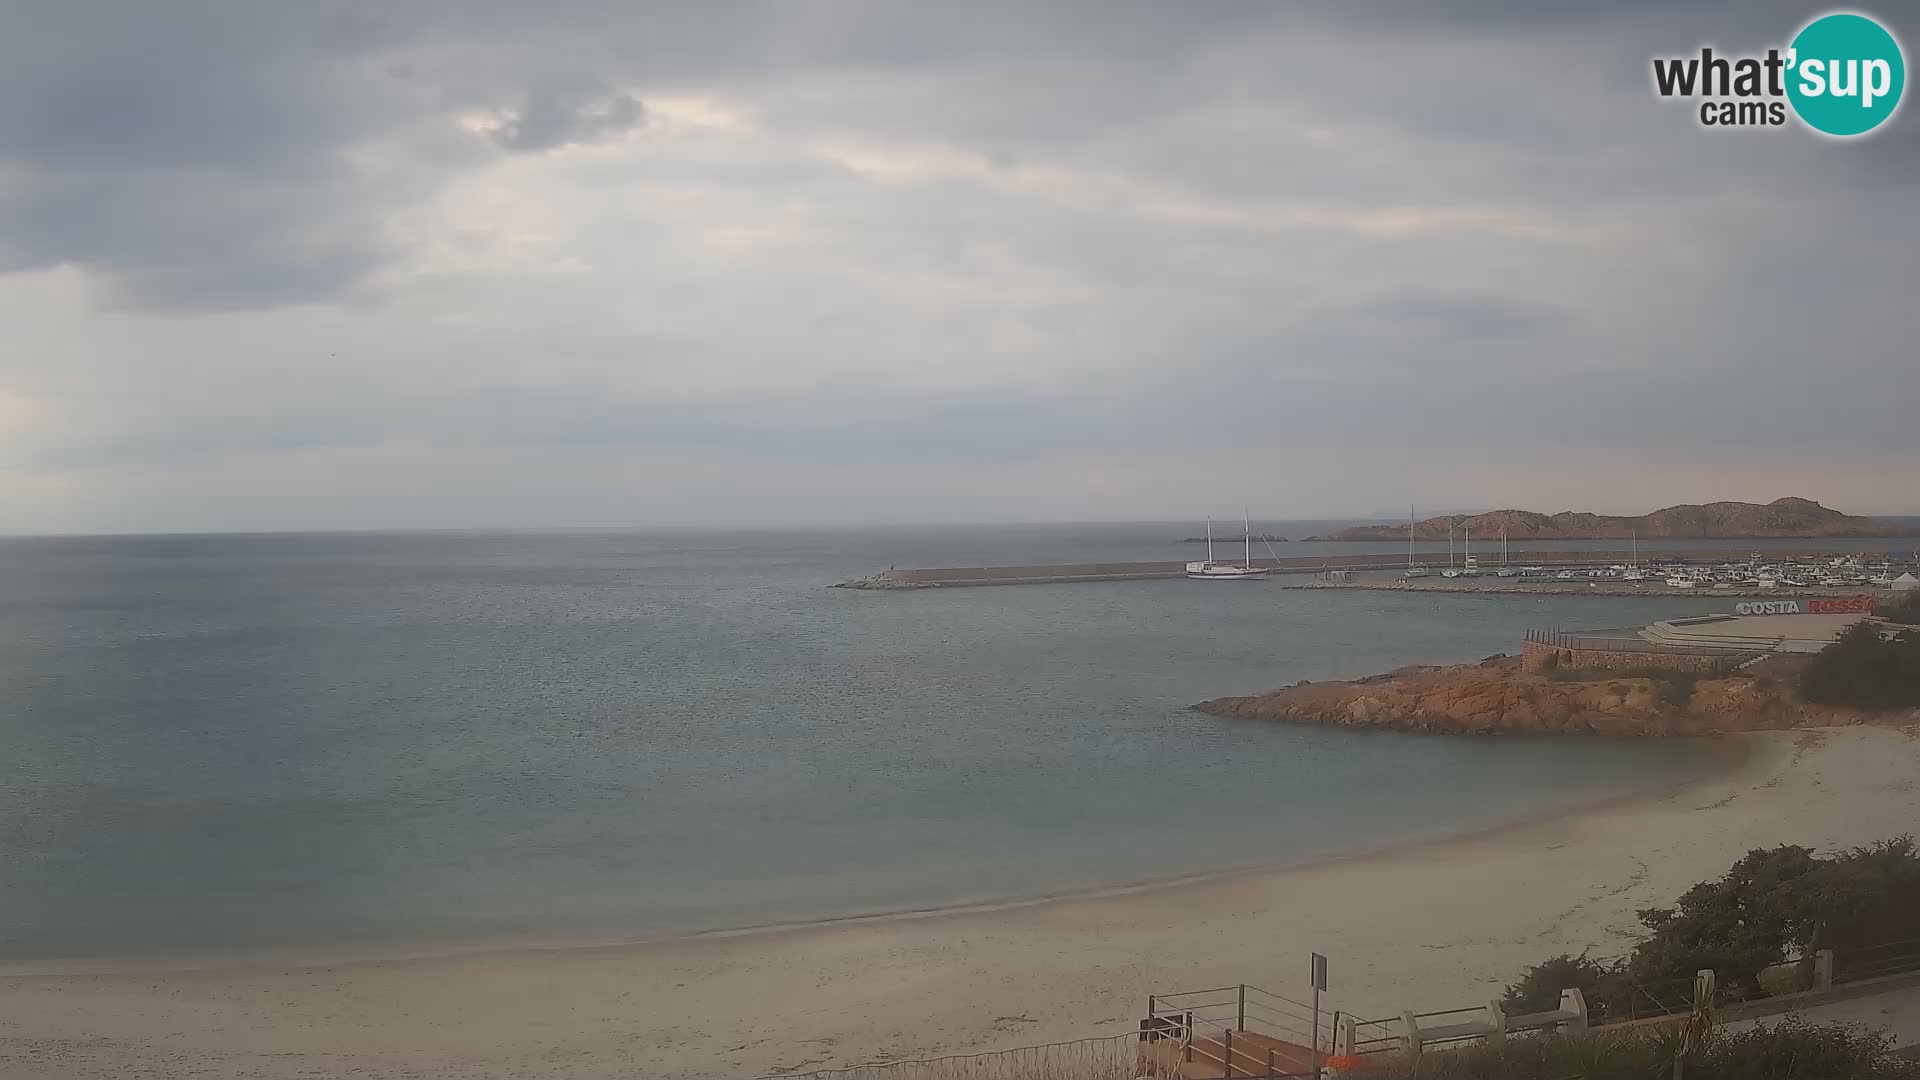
x=1871 y=683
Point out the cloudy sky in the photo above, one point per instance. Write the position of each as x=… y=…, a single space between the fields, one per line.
x=346 y=265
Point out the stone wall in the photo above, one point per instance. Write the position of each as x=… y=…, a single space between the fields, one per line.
x=1536 y=656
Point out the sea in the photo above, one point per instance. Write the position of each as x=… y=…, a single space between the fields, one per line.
x=334 y=745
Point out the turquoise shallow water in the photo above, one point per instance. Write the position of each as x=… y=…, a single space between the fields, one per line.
x=221 y=745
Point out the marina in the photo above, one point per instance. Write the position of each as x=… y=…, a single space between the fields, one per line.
x=1673 y=571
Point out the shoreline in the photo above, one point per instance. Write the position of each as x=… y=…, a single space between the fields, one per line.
x=1726 y=754
x=1437 y=924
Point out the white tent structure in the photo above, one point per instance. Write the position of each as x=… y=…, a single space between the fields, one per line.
x=1904 y=583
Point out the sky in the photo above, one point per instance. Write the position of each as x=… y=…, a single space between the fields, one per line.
x=453 y=265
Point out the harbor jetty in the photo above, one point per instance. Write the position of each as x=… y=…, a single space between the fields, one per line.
x=1055 y=573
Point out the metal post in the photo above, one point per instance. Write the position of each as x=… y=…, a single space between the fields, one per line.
x=1316 y=1031
x=1271 y=1071
x=1240 y=1021
x=1227 y=1064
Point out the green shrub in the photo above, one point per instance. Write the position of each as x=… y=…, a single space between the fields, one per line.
x=1676 y=689
x=1673 y=688
x=1865 y=669
x=1772 y=904
x=1796 y=1050
x=1538 y=989
x=1790 y=1050
x=1900 y=607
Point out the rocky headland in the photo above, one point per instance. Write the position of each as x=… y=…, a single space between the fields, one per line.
x=1496 y=696
x=1788 y=517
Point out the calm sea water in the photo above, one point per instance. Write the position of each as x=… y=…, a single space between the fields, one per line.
x=219 y=745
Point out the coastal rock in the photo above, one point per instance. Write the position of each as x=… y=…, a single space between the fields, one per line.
x=1495 y=695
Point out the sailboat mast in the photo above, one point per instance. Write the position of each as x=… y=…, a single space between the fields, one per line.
x=1209 y=539
x=1246 y=529
x=1449 y=541
x=1409 y=536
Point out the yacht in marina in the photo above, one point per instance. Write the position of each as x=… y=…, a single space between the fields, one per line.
x=1414 y=570
x=1224 y=571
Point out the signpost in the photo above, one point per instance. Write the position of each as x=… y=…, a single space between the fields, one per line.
x=1319 y=984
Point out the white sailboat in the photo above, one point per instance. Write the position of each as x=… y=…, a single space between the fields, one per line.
x=1633 y=572
x=1220 y=571
x=1469 y=566
x=1414 y=570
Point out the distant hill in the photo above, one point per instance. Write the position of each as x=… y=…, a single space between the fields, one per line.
x=1788 y=517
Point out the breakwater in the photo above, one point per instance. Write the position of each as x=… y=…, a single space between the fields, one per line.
x=1056 y=573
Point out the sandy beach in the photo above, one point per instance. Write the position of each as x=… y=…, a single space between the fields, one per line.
x=1435 y=926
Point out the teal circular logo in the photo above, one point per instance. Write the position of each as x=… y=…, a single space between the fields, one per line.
x=1845 y=74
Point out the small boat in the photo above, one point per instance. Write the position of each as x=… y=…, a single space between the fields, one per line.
x=1679 y=582
x=1220 y=571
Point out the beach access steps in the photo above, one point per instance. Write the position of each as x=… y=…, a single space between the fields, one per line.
x=1687 y=634
x=1232 y=1032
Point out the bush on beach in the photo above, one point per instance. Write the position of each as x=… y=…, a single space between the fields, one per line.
x=1775 y=904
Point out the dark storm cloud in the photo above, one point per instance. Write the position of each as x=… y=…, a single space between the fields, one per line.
x=109 y=112
x=557 y=115
x=194 y=163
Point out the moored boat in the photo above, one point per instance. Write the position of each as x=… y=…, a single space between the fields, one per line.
x=1222 y=571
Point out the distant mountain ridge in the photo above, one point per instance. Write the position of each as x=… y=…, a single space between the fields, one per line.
x=1788 y=517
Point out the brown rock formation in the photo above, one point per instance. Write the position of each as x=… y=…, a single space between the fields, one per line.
x=1787 y=517
x=1496 y=696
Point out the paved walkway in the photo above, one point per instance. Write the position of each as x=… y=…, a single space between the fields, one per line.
x=1896 y=1011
